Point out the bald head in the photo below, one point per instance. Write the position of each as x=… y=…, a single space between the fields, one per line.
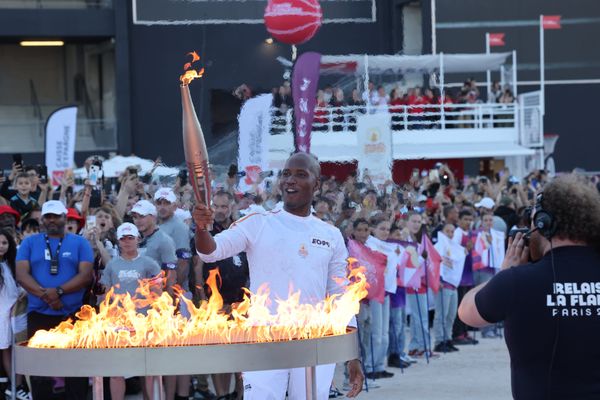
x=311 y=162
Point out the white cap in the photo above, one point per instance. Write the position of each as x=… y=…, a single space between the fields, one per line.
x=486 y=202
x=144 y=207
x=127 y=229
x=165 y=193
x=421 y=198
x=54 y=207
x=183 y=214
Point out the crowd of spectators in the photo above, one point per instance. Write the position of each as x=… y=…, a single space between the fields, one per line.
x=104 y=223
x=411 y=108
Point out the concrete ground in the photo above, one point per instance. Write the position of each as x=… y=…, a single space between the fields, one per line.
x=474 y=372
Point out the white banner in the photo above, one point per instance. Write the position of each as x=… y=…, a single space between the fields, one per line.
x=453 y=259
x=254 y=127
x=375 y=146
x=60 y=142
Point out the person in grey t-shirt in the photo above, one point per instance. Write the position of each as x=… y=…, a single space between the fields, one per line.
x=159 y=246
x=155 y=243
x=166 y=204
x=123 y=274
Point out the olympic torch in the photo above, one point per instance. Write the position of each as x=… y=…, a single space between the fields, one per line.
x=194 y=146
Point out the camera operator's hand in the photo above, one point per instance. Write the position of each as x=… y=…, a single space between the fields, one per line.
x=517 y=252
x=203 y=216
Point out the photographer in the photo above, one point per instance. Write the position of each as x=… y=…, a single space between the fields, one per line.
x=550 y=306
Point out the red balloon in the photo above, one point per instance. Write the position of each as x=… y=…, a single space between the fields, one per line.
x=293 y=21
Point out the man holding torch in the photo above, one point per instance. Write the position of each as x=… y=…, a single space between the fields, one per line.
x=286 y=248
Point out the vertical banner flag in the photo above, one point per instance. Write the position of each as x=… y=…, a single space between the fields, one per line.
x=392 y=252
x=432 y=263
x=375 y=146
x=374 y=263
x=410 y=268
x=551 y=22
x=60 y=142
x=254 y=132
x=497 y=39
x=305 y=79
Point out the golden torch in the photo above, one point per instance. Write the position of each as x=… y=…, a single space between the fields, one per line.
x=194 y=146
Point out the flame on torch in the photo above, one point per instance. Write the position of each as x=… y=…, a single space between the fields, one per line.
x=191 y=74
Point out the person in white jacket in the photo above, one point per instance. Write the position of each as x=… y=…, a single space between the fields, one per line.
x=285 y=248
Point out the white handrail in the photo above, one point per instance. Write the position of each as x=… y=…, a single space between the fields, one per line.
x=405 y=117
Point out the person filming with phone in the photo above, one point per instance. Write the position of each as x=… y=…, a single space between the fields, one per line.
x=550 y=307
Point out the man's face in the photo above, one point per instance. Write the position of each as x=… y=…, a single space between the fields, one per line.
x=128 y=244
x=322 y=207
x=144 y=223
x=465 y=222
x=164 y=208
x=23 y=186
x=361 y=232
x=7 y=220
x=34 y=178
x=54 y=224
x=452 y=217
x=222 y=207
x=448 y=230
x=487 y=221
x=298 y=183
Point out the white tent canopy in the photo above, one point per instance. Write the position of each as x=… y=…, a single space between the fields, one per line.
x=354 y=64
x=115 y=166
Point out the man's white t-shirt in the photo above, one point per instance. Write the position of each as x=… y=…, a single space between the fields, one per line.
x=287 y=251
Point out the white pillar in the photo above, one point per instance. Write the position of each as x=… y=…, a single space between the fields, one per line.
x=368 y=100
x=433 y=29
x=514 y=74
x=442 y=80
x=488 y=74
x=542 y=66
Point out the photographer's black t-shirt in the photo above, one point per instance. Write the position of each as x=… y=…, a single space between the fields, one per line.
x=543 y=311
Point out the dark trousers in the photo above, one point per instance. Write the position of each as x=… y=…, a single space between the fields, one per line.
x=460 y=328
x=42 y=387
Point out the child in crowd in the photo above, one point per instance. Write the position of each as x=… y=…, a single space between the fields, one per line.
x=29 y=227
x=22 y=201
x=123 y=275
x=446 y=300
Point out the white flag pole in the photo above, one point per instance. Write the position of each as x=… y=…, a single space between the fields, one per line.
x=488 y=73
x=542 y=66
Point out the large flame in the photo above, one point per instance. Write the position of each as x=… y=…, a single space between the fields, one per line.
x=150 y=319
x=191 y=74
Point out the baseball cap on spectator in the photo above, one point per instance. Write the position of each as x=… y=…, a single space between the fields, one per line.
x=486 y=202
x=421 y=198
x=74 y=214
x=10 y=210
x=165 y=193
x=127 y=229
x=143 y=208
x=183 y=214
x=54 y=207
